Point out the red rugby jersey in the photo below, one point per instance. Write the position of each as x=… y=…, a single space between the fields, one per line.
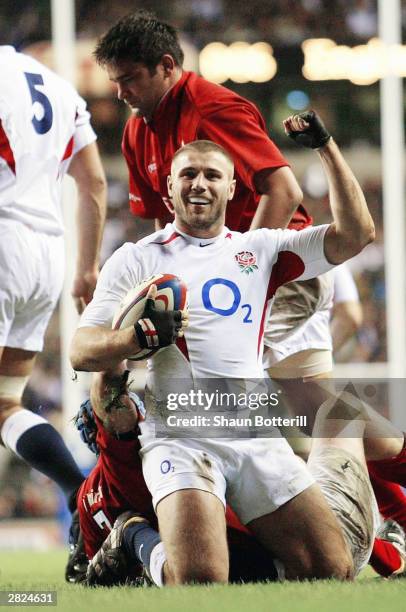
x=195 y=109
x=114 y=485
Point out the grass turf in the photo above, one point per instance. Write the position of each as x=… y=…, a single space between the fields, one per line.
x=26 y=570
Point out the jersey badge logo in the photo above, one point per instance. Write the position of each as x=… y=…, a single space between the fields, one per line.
x=152 y=168
x=247 y=261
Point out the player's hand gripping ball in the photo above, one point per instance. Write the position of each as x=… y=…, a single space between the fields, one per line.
x=157 y=308
x=307 y=129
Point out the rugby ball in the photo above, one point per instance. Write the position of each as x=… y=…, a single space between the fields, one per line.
x=171 y=295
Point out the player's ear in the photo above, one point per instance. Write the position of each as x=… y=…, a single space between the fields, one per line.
x=169 y=184
x=231 y=189
x=168 y=64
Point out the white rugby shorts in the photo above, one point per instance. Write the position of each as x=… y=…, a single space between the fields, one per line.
x=32 y=268
x=256 y=476
x=348 y=491
x=299 y=319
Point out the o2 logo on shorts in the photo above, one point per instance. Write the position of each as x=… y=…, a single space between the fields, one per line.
x=236 y=297
x=166 y=467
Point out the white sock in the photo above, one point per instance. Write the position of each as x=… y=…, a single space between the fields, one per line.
x=156 y=564
x=280 y=568
x=17 y=424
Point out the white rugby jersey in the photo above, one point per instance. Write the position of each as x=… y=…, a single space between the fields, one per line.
x=231 y=281
x=43 y=123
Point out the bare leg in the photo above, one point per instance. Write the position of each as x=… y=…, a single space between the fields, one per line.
x=193 y=529
x=315 y=548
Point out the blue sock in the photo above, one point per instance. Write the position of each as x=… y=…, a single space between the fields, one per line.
x=44 y=449
x=139 y=541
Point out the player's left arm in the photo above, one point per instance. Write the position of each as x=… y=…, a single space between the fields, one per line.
x=352 y=228
x=281 y=195
x=87 y=171
x=347 y=312
x=240 y=129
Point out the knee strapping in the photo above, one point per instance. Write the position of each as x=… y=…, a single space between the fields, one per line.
x=17 y=424
x=12 y=386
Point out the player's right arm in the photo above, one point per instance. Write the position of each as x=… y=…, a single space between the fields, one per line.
x=96 y=349
x=95 y=346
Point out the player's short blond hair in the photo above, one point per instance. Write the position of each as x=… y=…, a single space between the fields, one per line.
x=204 y=146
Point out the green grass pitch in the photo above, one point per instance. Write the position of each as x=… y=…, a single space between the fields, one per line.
x=26 y=570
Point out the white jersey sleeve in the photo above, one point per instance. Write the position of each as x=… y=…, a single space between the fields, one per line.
x=120 y=273
x=345 y=289
x=294 y=255
x=308 y=245
x=84 y=133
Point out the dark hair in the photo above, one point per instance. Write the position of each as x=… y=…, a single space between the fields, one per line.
x=204 y=146
x=139 y=37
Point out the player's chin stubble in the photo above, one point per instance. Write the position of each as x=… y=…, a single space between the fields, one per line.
x=201 y=222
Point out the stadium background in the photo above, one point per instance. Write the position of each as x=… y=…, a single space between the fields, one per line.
x=350 y=110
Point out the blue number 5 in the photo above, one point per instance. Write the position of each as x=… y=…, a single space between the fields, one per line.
x=41 y=126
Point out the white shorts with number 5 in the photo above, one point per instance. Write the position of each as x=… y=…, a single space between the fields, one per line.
x=32 y=266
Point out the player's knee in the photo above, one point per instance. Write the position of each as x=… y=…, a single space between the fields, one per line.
x=335 y=562
x=339 y=568
x=11 y=391
x=338 y=565
x=200 y=573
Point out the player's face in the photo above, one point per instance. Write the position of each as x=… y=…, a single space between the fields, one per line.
x=137 y=87
x=200 y=186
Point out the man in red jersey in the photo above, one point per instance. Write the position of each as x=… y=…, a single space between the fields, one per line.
x=173 y=107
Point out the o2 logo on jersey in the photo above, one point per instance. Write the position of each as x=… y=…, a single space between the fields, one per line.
x=235 y=295
x=43 y=125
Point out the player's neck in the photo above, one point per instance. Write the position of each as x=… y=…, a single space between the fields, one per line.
x=212 y=232
x=171 y=82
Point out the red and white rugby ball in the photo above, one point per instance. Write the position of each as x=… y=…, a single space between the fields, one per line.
x=171 y=295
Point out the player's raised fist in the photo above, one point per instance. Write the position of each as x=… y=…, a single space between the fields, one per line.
x=307 y=129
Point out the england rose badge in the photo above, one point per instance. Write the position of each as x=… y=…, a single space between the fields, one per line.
x=247 y=261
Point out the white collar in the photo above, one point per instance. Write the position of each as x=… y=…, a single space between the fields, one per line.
x=201 y=241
